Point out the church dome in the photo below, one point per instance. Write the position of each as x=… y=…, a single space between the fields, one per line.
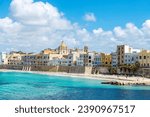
x=62 y=45
x=63 y=49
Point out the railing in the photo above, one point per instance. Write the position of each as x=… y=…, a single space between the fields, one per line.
x=26 y=68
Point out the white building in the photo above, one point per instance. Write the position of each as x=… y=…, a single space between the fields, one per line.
x=3 y=56
x=89 y=59
x=130 y=58
x=126 y=54
x=80 y=60
x=72 y=58
x=97 y=60
x=114 y=60
x=58 y=61
x=14 y=58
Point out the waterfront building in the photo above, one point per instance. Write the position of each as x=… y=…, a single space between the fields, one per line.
x=14 y=58
x=114 y=60
x=2 y=58
x=62 y=56
x=94 y=59
x=86 y=59
x=97 y=60
x=63 y=61
x=35 y=59
x=121 y=50
x=105 y=59
x=89 y=59
x=39 y=59
x=130 y=58
x=144 y=58
x=54 y=62
x=72 y=58
x=81 y=59
x=126 y=54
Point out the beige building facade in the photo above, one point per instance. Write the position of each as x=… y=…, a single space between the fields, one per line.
x=144 y=58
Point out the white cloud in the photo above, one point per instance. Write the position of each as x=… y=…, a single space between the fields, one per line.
x=98 y=31
x=33 y=26
x=146 y=24
x=38 y=13
x=90 y=17
x=8 y=26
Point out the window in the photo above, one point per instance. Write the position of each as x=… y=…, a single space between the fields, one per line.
x=144 y=57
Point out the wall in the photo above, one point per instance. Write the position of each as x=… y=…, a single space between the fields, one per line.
x=144 y=72
x=67 y=69
x=100 y=70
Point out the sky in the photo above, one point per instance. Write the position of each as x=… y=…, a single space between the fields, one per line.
x=33 y=25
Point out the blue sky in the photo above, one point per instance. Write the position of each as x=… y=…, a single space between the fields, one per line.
x=112 y=16
x=109 y=13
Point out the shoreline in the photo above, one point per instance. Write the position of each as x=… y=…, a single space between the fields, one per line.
x=104 y=78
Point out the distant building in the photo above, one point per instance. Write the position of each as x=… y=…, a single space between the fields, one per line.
x=89 y=59
x=39 y=59
x=3 y=56
x=72 y=58
x=62 y=49
x=114 y=60
x=49 y=51
x=97 y=60
x=14 y=58
x=35 y=59
x=86 y=49
x=126 y=54
x=130 y=58
x=56 y=61
x=62 y=56
x=121 y=50
x=81 y=59
x=85 y=59
x=144 y=58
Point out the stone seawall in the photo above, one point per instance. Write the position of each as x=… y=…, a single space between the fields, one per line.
x=13 y=67
x=67 y=69
x=100 y=70
x=72 y=69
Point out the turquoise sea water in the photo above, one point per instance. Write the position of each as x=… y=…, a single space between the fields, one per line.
x=28 y=86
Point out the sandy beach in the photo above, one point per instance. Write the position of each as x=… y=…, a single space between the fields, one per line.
x=102 y=77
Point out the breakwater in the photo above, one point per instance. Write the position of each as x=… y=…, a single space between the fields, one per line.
x=125 y=83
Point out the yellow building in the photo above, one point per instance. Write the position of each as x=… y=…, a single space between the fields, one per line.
x=144 y=58
x=106 y=59
x=49 y=51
